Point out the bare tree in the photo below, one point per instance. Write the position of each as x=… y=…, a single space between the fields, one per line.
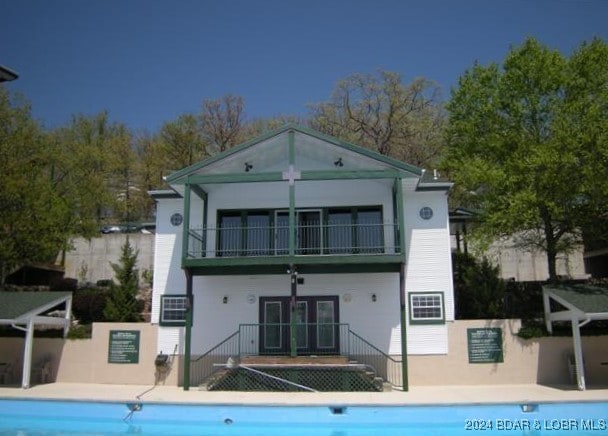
x=380 y=112
x=222 y=121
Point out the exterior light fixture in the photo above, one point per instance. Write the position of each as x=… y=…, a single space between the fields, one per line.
x=374 y=298
x=225 y=299
x=248 y=167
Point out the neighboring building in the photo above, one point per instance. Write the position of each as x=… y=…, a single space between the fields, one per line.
x=515 y=263
x=300 y=242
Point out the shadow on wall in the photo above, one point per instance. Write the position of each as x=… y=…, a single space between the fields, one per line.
x=46 y=357
x=555 y=361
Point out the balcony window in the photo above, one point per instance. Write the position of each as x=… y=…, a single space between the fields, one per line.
x=244 y=233
x=355 y=230
x=352 y=230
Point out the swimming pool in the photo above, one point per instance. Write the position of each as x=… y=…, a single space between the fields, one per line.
x=51 y=418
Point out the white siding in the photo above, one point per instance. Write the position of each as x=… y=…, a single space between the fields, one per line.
x=377 y=321
x=428 y=266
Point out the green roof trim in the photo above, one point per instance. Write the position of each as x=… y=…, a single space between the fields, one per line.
x=14 y=305
x=179 y=176
x=586 y=298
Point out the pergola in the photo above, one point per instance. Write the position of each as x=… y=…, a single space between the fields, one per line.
x=582 y=305
x=25 y=310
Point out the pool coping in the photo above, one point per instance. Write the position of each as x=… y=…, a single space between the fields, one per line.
x=417 y=395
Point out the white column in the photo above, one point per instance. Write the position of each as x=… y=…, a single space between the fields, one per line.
x=547 y=310
x=578 y=354
x=27 y=354
x=68 y=315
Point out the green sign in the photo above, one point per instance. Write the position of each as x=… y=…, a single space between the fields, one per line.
x=485 y=345
x=124 y=346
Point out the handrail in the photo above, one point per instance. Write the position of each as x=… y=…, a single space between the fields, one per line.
x=216 y=347
x=355 y=347
x=369 y=344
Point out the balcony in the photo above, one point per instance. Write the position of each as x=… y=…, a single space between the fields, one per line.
x=314 y=243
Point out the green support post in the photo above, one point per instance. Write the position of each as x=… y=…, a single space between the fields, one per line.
x=404 y=374
x=293 y=307
x=188 y=333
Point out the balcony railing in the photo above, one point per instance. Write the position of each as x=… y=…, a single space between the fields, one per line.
x=311 y=238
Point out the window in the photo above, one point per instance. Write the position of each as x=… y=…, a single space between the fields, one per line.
x=244 y=233
x=426 y=308
x=355 y=230
x=173 y=310
x=340 y=230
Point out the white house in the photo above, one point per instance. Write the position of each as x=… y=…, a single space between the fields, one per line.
x=296 y=243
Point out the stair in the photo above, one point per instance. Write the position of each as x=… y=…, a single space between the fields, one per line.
x=278 y=374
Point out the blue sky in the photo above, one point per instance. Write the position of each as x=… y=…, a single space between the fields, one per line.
x=147 y=62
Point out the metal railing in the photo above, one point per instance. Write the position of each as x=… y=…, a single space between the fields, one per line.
x=312 y=238
x=366 y=353
x=312 y=339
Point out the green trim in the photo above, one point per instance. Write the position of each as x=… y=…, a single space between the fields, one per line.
x=236 y=178
x=349 y=175
x=301 y=260
x=186 y=223
x=177 y=176
x=172 y=323
x=281 y=269
x=188 y=332
x=400 y=214
x=200 y=192
x=403 y=320
x=305 y=175
x=292 y=196
x=426 y=321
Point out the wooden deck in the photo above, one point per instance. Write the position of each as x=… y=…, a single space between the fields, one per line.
x=295 y=361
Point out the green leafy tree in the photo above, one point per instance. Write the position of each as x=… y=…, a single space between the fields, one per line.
x=92 y=162
x=527 y=142
x=31 y=212
x=479 y=291
x=121 y=304
x=404 y=121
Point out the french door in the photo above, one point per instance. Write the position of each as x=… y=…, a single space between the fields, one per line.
x=317 y=329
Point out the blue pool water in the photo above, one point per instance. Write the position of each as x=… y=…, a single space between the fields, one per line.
x=52 y=418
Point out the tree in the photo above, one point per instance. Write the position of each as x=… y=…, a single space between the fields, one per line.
x=121 y=304
x=222 y=121
x=91 y=160
x=527 y=142
x=31 y=213
x=383 y=114
x=182 y=142
x=478 y=288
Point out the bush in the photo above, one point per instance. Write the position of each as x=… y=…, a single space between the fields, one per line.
x=81 y=331
x=478 y=289
x=88 y=305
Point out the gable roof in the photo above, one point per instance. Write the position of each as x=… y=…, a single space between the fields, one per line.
x=18 y=306
x=179 y=176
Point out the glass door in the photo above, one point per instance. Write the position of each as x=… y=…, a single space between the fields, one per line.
x=317 y=328
x=309 y=231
